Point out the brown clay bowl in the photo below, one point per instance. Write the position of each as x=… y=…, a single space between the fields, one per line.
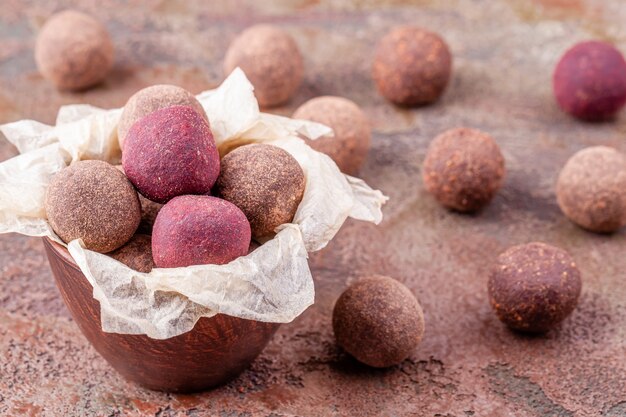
x=216 y=350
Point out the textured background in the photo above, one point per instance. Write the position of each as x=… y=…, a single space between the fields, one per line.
x=468 y=364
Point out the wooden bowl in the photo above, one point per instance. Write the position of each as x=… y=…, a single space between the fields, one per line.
x=216 y=350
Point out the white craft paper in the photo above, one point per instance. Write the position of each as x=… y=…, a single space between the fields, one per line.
x=272 y=284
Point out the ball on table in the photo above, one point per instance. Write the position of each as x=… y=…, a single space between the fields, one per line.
x=378 y=321
x=73 y=50
x=533 y=287
x=590 y=81
x=591 y=189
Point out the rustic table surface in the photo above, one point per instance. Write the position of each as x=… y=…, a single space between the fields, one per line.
x=468 y=364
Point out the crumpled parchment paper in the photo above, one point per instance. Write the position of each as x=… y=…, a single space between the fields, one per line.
x=271 y=284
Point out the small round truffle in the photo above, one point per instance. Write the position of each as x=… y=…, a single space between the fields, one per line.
x=412 y=66
x=93 y=201
x=352 y=134
x=533 y=287
x=171 y=152
x=73 y=50
x=265 y=182
x=150 y=99
x=198 y=230
x=463 y=169
x=591 y=189
x=590 y=81
x=378 y=321
x=136 y=254
x=270 y=59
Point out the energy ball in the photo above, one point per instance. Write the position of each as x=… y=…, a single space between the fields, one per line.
x=93 y=201
x=198 y=230
x=171 y=152
x=265 y=182
x=590 y=81
x=533 y=287
x=378 y=321
x=352 y=134
x=136 y=254
x=74 y=50
x=591 y=189
x=271 y=60
x=463 y=169
x=412 y=66
x=153 y=98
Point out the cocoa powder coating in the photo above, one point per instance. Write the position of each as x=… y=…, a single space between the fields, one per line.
x=271 y=60
x=136 y=254
x=73 y=50
x=265 y=182
x=533 y=287
x=93 y=201
x=378 y=321
x=150 y=99
x=463 y=169
x=590 y=81
x=352 y=133
x=591 y=189
x=412 y=66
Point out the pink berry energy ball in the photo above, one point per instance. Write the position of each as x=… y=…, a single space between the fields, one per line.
x=171 y=152
x=590 y=81
x=198 y=230
x=150 y=99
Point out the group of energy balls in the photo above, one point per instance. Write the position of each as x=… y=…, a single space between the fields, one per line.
x=532 y=287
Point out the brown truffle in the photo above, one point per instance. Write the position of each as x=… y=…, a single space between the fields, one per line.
x=136 y=254
x=352 y=134
x=149 y=210
x=591 y=189
x=265 y=182
x=74 y=50
x=93 y=201
x=534 y=287
x=151 y=99
x=378 y=321
x=412 y=66
x=463 y=169
x=270 y=59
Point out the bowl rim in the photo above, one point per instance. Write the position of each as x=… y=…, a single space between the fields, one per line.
x=63 y=252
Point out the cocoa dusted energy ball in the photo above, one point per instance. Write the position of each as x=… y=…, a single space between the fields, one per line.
x=352 y=133
x=590 y=81
x=265 y=182
x=136 y=254
x=153 y=98
x=270 y=59
x=534 y=287
x=412 y=66
x=591 y=189
x=74 y=50
x=197 y=230
x=378 y=321
x=93 y=201
x=171 y=152
x=463 y=169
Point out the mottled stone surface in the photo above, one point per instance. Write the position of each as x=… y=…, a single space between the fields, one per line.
x=468 y=363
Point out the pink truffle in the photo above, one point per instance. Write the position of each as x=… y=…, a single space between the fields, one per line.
x=171 y=152
x=590 y=81
x=197 y=230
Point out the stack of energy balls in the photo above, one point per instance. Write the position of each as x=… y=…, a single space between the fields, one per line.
x=173 y=202
x=170 y=158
